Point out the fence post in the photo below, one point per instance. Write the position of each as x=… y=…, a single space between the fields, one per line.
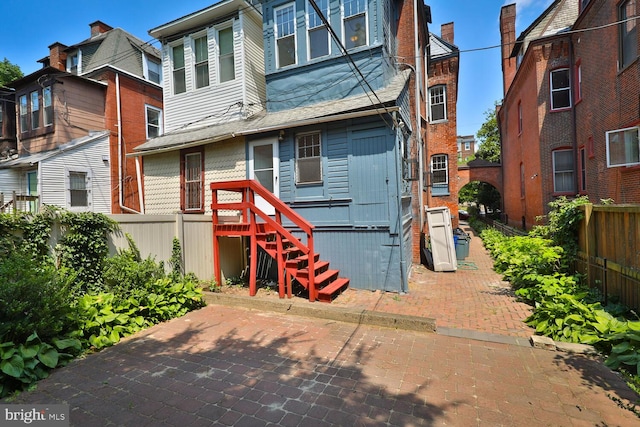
x=588 y=231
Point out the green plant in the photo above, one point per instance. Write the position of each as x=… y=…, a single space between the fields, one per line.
x=175 y=262
x=26 y=363
x=84 y=247
x=547 y=286
x=33 y=297
x=126 y=271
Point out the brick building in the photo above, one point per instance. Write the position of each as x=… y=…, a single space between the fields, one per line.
x=536 y=115
x=606 y=90
x=569 y=118
x=466 y=148
x=441 y=154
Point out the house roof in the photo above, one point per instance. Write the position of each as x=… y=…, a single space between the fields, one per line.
x=115 y=47
x=38 y=157
x=559 y=17
x=439 y=48
x=44 y=74
x=223 y=9
x=355 y=106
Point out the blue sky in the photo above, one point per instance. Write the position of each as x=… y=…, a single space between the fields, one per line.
x=67 y=22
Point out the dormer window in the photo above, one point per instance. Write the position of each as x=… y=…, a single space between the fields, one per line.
x=154 y=71
x=355 y=23
x=73 y=63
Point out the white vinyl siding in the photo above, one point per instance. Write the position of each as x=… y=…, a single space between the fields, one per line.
x=88 y=158
x=219 y=102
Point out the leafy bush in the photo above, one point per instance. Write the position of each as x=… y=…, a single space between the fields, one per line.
x=32 y=360
x=126 y=271
x=33 y=298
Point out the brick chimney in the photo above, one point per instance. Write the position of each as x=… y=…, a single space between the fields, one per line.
x=507 y=39
x=58 y=56
x=446 y=32
x=99 y=27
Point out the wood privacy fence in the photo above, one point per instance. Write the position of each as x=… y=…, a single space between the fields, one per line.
x=153 y=235
x=609 y=251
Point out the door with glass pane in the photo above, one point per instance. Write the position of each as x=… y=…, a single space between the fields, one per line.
x=32 y=190
x=263 y=167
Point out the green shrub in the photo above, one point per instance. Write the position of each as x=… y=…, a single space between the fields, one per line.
x=33 y=298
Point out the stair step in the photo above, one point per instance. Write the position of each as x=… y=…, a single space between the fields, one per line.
x=334 y=288
x=318 y=267
x=326 y=276
x=295 y=262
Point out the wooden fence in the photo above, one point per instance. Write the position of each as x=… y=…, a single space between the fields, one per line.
x=609 y=251
x=153 y=235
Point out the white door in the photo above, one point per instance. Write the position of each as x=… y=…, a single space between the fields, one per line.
x=441 y=236
x=263 y=167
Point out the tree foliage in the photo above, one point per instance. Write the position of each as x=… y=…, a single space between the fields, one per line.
x=9 y=72
x=489 y=137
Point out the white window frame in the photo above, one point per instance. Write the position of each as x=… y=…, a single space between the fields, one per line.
x=277 y=37
x=563 y=172
x=442 y=95
x=47 y=106
x=364 y=12
x=34 y=102
x=628 y=150
x=553 y=90
x=174 y=69
x=78 y=66
x=317 y=27
x=87 y=173
x=23 y=105
x=313 y=157
x=146 y=119
x=204 y=63
x=146 y=71
x=434 y=167
x=232 y=55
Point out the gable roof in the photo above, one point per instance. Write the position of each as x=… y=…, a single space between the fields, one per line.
x=115 y=47
x=559 y=17
x=38 y=157
x=439 y=48
x=324 y=112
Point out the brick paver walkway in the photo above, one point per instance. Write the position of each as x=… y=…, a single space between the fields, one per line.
x=472 y=298
x=234 y=366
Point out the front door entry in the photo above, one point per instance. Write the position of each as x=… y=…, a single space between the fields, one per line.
x=263 y=167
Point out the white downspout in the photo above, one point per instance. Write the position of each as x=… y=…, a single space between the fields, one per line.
x=120 y=163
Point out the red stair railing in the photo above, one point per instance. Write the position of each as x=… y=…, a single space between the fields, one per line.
x=254 y=221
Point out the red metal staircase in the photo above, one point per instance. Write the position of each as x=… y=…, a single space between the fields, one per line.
x=296 y=258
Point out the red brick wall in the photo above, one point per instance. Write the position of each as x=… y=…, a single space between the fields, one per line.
x=134 y=96
x=610 y=99
x=442 y=137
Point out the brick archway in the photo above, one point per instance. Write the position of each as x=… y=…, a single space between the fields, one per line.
x=480 y=170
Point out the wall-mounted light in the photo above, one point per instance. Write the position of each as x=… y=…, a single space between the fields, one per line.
x=281 y=136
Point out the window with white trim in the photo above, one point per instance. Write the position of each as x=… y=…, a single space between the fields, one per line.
x=285 y=35
x=628 y=33
x=623 y=147
x=563 y=171
x=226 y=60
x=154 y=70
x=24 y=111
x=74 y=63
x=178 y=71
x=560 y=89
x=439 y=175
x=308 y=158
x=355 y=23
x=201 y=57
x=154 y=121
x=47 y=106
x=318 y=34
x=78 y=187
x=437 y=103
x=35 y=110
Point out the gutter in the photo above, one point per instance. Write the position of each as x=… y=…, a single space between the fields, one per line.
x=273 y=128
